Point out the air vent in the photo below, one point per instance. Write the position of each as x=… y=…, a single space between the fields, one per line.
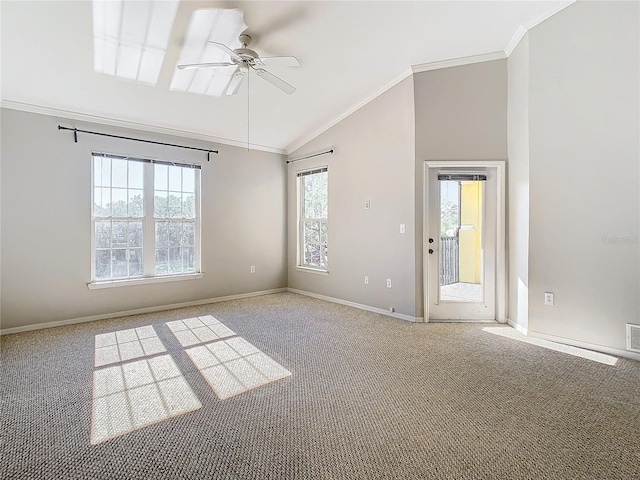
x=633 y=337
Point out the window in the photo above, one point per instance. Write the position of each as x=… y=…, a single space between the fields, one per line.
x=145 y=218
x=175 y=219
x=313 y=213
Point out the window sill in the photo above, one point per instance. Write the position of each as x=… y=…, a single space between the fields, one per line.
x=143 y=280
x=311 y=270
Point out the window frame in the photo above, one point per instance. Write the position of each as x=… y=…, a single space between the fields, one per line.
x=149 y=221
x=302 y=221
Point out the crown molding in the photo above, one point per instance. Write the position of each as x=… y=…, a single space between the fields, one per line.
x=556 y=8
x=523 y=29
x=301 y=141
x=160 y=129
x=515 y=40
x=425 y=67
x=457 y=62
x=414 y=69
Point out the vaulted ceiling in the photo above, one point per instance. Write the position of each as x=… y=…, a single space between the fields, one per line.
x=349 y=51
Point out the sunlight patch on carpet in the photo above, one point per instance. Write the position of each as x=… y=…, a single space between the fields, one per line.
x=193 y=331
x=137 y=394
x=114 y=347
x=234 y=366
x=513 y=334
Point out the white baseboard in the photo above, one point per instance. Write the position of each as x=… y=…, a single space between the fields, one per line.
x=458 y=320
x=517 y=326
x=381 y=311
x=589 y=346
x=40 y=326
x=401 y=316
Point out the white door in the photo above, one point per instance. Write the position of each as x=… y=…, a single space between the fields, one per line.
x=461 y=244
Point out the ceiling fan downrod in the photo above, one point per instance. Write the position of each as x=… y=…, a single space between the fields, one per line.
x=246 y=55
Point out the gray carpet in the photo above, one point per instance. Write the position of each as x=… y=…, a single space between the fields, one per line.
x=368 y=397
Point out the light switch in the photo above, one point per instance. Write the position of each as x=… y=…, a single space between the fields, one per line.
x=403 y=228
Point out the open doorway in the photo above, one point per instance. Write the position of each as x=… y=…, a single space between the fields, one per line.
x=461 y=238
x=464 y=241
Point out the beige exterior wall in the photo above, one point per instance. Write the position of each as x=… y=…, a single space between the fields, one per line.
x=470 y=235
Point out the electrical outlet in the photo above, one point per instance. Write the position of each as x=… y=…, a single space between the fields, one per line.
x=366 y=280
x=388 y=283
x=253 y=269
x=548 y=298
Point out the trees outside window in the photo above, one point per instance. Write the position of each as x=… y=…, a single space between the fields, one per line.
x=145 y=218
x=313 y=187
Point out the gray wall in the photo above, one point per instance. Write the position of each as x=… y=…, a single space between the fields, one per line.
x=584 y=172
x=46 y=222
x=461 y=114
x=570 y=113
x=374 y=160
x=518 y=183
x=456 y=113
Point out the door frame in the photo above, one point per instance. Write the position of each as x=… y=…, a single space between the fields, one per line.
x=501 y=254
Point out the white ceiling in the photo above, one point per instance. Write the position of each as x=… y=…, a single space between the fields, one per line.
x=350 y=52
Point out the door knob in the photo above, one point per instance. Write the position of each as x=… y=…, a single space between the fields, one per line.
x=430 y=251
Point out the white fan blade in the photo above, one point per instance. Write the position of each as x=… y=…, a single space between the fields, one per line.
x=275 y=81
x=280 y=61
x=205 y=65
x=236 y=81
x=227 y=50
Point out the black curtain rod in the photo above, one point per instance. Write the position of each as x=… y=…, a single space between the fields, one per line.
x=76 y=130
x=330 y=152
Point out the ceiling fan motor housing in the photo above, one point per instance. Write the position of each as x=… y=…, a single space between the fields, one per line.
x=244 y=59
x=246 y=54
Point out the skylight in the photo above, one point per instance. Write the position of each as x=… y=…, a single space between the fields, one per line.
x=218 y=25
x=130 y=37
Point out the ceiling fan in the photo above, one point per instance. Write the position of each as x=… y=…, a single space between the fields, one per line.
x=243 y=59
